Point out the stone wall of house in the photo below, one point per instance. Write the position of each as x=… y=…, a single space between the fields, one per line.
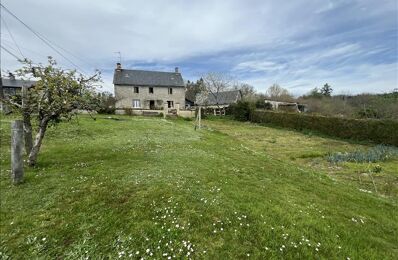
x=125 y=95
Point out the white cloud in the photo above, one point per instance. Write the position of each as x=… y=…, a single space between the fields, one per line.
x=172 y=32
x=255 y=66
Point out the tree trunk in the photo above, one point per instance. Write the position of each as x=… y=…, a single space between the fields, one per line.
x=37 y=144
x=27 y=125
x=27 y=128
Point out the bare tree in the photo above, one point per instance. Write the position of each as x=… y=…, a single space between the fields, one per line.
x=276 y=92
x=215 y=83
x=248 y=91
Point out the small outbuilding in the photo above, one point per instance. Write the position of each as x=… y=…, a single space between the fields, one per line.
x=221 y=100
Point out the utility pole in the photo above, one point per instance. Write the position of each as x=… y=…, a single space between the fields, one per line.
x=1 y=93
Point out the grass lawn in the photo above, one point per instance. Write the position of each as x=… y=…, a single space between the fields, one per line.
x=153 y=188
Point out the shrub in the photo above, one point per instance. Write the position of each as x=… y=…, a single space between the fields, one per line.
x=128 y=111
x=375 y=154
x=105 y=103
x=242 y=110
x=107 y=110
x=379 y=131
x=260 y=104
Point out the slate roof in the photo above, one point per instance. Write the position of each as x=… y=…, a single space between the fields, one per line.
x=224 y=98
x=17 y=83
x=147 y=78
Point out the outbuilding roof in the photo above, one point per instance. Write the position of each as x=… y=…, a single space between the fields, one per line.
x=16 y=83
x=224 y=98
x=147 y=78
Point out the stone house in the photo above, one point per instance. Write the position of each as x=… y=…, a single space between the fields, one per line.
x=10 y=87
x=142 y=89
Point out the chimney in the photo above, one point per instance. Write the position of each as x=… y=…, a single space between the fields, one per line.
x=11 y=76
x=118 y=66
x=176 y=69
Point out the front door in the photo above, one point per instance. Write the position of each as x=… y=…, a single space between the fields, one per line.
x=152 y=104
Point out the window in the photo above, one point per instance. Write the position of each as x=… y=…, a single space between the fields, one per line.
x=150 y=90
x=136 y=90
x=170 y=104
x=170 y=91
x=136 y=103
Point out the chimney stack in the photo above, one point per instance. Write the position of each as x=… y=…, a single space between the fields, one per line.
x=11 y=76
x=176 y=69
x=118 y=66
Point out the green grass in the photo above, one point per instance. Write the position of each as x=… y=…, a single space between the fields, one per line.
x=109 y=189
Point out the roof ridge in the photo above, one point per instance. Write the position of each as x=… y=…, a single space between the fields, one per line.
x=172 y=72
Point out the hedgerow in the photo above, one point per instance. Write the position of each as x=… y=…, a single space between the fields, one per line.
x=378 y=131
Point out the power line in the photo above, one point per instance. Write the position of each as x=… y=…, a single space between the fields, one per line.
x=69 y=52
x=10 y=44
x=12 y=37
x=12 y=54
x=41 y=37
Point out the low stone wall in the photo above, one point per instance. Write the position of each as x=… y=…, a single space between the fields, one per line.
x=187 y=113
x=142 y=112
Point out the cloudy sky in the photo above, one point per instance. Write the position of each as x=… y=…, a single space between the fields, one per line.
x=350 y=44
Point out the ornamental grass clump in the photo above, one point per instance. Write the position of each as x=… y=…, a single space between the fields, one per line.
x=374 y=154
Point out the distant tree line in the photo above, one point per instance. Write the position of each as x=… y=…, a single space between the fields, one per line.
x=320 y=100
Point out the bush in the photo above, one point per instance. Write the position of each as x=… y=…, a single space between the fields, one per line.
x=260 y=104
x=242 y=110
x=379 y=131
x=375 y=154
x=128 y=111
x=107 y=110
x=105 y=103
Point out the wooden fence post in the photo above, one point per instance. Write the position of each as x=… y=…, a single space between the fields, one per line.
x=17 y=151
x=165 y=109
x=178 y=109
x=199 y=116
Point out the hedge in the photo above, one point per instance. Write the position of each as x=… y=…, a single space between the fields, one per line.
x=378 y=131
